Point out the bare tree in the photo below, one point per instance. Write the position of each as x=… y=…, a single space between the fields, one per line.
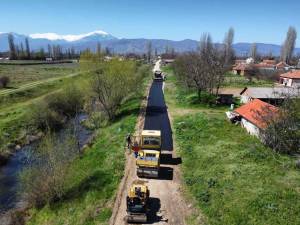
x=98 y=50
x=253 y=52
x=289 y=45
x=28 y=55
x=12 y=46
x=202 y=70
x=149 y=51
x=228 y=41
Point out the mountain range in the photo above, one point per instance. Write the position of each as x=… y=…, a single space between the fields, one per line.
x=123 y=45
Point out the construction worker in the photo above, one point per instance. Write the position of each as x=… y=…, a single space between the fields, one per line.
x=136 y=149
x=128 y=140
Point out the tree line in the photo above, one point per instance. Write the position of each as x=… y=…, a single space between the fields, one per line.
x=24 y=52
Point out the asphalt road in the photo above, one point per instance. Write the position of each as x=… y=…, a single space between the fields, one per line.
x=157 y=116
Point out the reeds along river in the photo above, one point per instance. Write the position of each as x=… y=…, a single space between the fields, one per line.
x=10 y=192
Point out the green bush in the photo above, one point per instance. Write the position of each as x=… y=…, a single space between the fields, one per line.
x=53 y=111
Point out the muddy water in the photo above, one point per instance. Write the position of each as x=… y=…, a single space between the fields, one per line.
x=9 y=174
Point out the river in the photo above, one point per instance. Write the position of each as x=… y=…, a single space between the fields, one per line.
x=9 y=173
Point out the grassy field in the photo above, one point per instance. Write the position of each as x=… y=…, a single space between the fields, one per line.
x=94 y=178
x=23 y=74
x=229 y=175
x=234 y=80
x=14 y=107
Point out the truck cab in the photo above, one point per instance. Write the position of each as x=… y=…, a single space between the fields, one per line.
x=151 y=139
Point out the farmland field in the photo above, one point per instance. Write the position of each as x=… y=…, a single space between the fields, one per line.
x=23 y=74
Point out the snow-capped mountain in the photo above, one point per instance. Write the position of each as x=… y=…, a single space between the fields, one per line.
x=90 y=40
x=95 y=35
x=41 y=40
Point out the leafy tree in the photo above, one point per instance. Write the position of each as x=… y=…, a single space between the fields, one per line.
x=111 y=81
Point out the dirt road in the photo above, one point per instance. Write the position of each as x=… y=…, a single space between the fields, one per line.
x=166 y=203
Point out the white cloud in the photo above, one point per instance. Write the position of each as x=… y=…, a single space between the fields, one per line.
x=68 y=37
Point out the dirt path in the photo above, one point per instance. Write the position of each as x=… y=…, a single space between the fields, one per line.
x=35 y=84
x=167 y=204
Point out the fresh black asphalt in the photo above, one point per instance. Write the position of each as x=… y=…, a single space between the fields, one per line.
x=157 y=115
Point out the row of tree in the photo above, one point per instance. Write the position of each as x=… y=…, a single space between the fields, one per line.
x=56 y=52
x=287 y=48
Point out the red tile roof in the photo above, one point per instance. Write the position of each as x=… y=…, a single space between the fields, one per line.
x=292 y=74
x=281 y=64
x=255 y=111
x=264 y=65
x=242 y=67
x=269 y=61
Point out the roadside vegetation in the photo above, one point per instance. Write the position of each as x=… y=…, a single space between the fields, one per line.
x=69 y=185
x=230 y=176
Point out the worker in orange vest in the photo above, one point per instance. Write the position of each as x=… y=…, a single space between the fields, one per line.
x=136 y=149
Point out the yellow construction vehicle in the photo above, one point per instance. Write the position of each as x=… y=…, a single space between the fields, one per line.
x=148 y=163
x=137 y=202
x=148 y=158
x=150 y=139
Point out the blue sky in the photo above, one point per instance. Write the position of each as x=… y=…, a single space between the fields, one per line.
x=254 y=21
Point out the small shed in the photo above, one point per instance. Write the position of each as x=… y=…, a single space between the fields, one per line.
x=290 y=79
x=254 y=116
x=273 y=95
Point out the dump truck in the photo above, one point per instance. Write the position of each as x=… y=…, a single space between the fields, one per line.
x=148 y=158
x=137 y=202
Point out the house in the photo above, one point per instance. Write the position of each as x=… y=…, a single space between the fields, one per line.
x=290 y=79
x=254 y=116
x=273 y=95
x=298 y=65
x=282 y=66
x=242 y=69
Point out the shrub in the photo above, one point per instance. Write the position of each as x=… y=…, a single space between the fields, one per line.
x=44 y=181
x=55 y=109
x=4 y=81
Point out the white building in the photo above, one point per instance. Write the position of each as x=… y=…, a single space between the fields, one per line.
x=254 y=114
x=290 y=79
x=269 y=94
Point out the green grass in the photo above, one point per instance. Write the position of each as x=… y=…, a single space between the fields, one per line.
x=230 y=176
x=23 y=74
x=94 y=178
x=93 y=181
x=238 y=81
x=14 y=109
x=233 y=177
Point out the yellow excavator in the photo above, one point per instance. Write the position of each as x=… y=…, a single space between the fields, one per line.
x=137 y=202
x=148 y=158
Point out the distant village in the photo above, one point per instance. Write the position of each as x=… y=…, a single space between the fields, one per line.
x=255 y=100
